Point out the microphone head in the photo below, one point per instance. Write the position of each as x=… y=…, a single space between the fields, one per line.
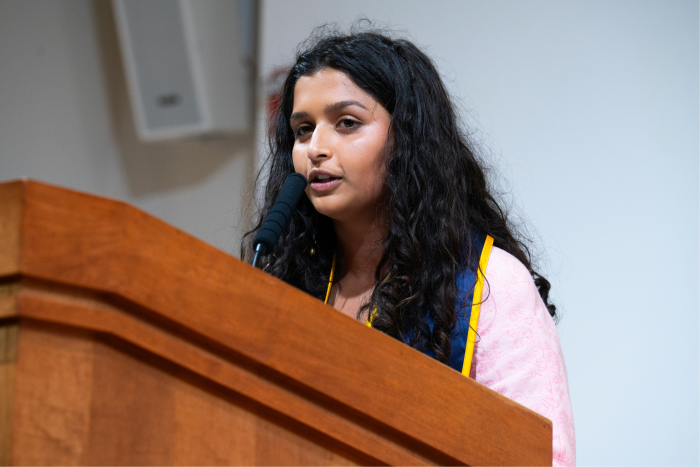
x=278 y=217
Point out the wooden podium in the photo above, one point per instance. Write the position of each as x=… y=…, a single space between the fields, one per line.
x=125 y=341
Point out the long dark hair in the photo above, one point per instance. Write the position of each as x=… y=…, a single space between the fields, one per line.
x=436 y=193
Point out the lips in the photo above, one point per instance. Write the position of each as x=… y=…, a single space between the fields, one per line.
x=321 y=180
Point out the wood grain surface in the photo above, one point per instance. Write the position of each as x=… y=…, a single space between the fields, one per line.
x=132 y=342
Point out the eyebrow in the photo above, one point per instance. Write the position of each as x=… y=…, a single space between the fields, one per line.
x=328 y=109
x=341 y=105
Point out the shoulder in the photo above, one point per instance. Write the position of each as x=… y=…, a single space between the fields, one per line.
x=509 y=288
x=512 y=309
x=503 y=266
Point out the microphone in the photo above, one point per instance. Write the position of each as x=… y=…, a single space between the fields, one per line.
x=278 y=217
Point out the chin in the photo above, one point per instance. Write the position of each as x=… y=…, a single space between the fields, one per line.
x=327 y=211
x=332 y=210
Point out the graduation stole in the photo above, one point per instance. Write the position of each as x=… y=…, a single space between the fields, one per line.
x=470 y=285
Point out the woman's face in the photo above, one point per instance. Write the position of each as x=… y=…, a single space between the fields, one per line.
x=340 y=135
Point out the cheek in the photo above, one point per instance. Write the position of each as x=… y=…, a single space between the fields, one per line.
x=299 y=161
x=378 y=182
x=372 y=174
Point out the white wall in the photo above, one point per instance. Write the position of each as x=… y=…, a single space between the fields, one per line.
x=65 y=119
x=591 y=111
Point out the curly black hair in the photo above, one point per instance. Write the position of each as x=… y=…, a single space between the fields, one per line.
x=436 y=193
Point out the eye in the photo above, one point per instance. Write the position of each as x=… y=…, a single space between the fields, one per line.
x=348 y=124
x=302 y=130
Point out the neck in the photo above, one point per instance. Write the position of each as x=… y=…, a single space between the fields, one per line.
x=361 y=246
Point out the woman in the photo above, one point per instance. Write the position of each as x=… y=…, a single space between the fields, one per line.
x=398 y=227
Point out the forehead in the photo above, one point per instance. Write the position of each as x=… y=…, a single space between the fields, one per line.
x=328 y=86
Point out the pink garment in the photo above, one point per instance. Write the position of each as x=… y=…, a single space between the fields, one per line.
x=517 y=352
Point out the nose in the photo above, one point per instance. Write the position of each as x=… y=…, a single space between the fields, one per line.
x=319 y=147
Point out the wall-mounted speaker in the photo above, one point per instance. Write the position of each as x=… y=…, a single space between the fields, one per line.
x=186 y=66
